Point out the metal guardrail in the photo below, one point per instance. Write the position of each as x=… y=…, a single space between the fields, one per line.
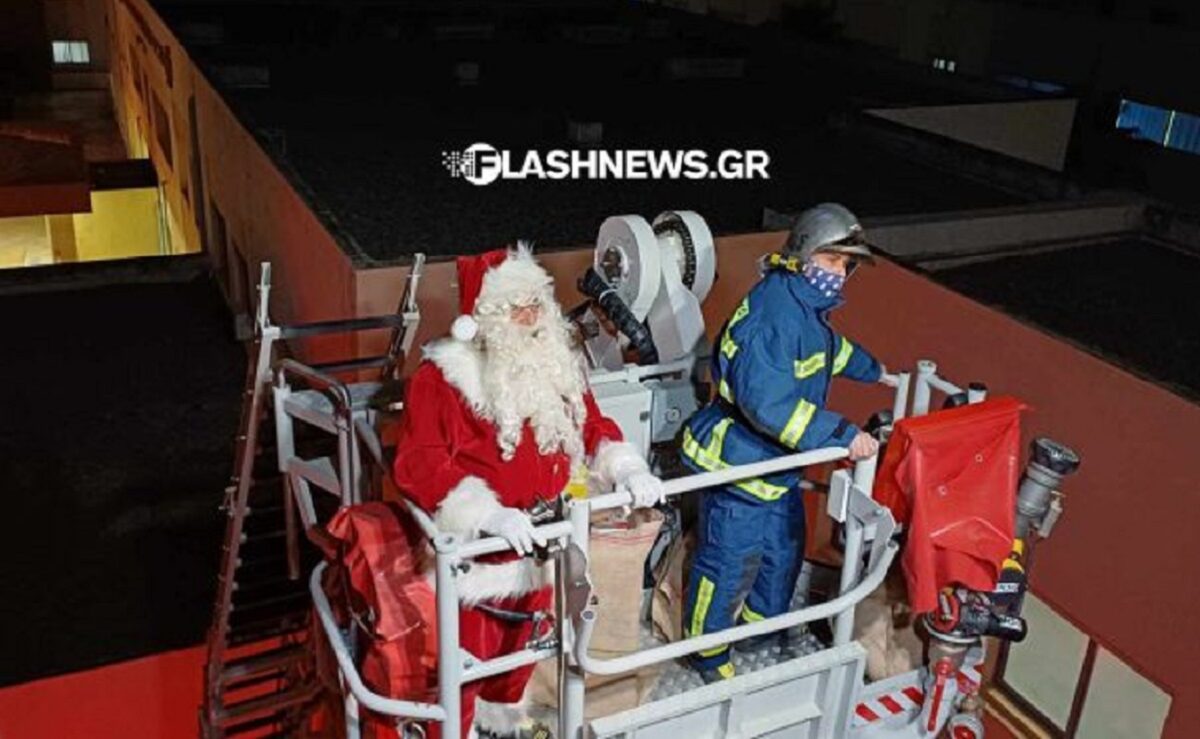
x=454 y=670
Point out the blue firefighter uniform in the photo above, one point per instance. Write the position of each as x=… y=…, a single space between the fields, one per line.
x=772 y=366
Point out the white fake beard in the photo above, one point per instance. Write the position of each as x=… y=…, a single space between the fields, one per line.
x=532 y=373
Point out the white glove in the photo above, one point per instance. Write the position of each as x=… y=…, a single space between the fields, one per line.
x=646 y=489
x=513 y=526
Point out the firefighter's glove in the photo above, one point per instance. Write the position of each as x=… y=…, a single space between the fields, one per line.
x=646 y=489
x=513 y=526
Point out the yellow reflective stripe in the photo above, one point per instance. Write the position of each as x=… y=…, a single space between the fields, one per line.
x=704 y=594
x=760 y=488
x=797 y=423
x=843 y=356
x=713 y=652
x=742 y=311
x=709 y=458
x=726 y=671
x=724 y=391
x=728 y=346
x=750 y=616
x=810 y=366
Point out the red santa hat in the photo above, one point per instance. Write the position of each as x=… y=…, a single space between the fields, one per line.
x=494 y=281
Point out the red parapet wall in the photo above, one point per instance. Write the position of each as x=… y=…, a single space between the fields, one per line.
x=155 y=697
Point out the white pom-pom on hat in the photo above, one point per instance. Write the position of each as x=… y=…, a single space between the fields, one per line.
x=464 y=328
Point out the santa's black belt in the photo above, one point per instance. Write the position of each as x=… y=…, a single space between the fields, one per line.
x=505 y=614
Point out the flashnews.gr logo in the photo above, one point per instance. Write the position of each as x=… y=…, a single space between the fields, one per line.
x=482 y=164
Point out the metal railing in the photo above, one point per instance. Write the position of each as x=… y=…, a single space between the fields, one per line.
x=456 y=667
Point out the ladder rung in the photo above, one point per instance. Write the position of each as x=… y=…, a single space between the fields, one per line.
x=267 y=704
x=245 y=727
x=315 y=407
x=253 y=681
x=256 y=664
x=320 y=472
x=273 y=600
x=266 y=629
x=264 y=536
x=245 y=587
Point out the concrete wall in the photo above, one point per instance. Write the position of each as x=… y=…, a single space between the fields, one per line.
x=24 y=241
x=947 y=239
x=266 y=219
x=149 y=66
x=1035 y=131
x=122 y=224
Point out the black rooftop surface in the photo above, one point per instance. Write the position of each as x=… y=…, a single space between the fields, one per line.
x=1132 y=302
x=120 y=404
x=362 y=105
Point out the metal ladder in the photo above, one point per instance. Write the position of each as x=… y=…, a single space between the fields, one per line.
x=259 y=676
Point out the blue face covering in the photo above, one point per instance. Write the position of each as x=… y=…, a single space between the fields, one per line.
x=828 y=283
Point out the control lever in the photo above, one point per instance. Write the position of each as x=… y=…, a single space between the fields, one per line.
x=879 y=424
x=957 y=400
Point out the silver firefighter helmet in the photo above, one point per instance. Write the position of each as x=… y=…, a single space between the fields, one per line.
x=827 y=227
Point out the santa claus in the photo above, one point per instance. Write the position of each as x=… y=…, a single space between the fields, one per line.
x=497 y=417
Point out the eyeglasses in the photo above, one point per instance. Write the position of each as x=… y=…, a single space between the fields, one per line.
x=510 y=306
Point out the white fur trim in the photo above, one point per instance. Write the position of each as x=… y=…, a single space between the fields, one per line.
x=464 y=328
x=614 y=462
x=466 y=507
x=502 y=718
x=461 y=362
x=517 y=277
x=462 y=512
x=484 y=582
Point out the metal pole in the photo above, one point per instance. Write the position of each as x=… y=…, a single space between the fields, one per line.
x=864 y=473
x=571 y=701
x=449 y=662
x=925 y=370
x=843 y=625
x=353 y=730
x=900 y=405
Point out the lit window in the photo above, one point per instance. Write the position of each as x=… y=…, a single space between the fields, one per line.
x=1121 y=703
x=1044 y=670
x=1061 y=678
x=70 y=52
x=943 y=64
x=950 y=64
x=1161 y=126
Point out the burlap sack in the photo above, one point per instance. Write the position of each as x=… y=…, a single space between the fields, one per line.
x=884 y=625
x=666 y=604
x=617 y=556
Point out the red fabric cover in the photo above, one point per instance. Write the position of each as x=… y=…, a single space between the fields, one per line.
x=470 y=277
x=441 y=441
x=951 y=478
x=380 y=549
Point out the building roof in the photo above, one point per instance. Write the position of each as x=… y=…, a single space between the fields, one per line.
x=119 y=534
x=1132 y=301
x=362 y=116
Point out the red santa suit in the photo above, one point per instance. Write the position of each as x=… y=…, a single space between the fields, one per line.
x=450 y=461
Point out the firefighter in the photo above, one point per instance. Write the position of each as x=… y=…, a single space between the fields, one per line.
x=772 y=366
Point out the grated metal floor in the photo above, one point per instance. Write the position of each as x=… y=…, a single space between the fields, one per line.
x=677 y=677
